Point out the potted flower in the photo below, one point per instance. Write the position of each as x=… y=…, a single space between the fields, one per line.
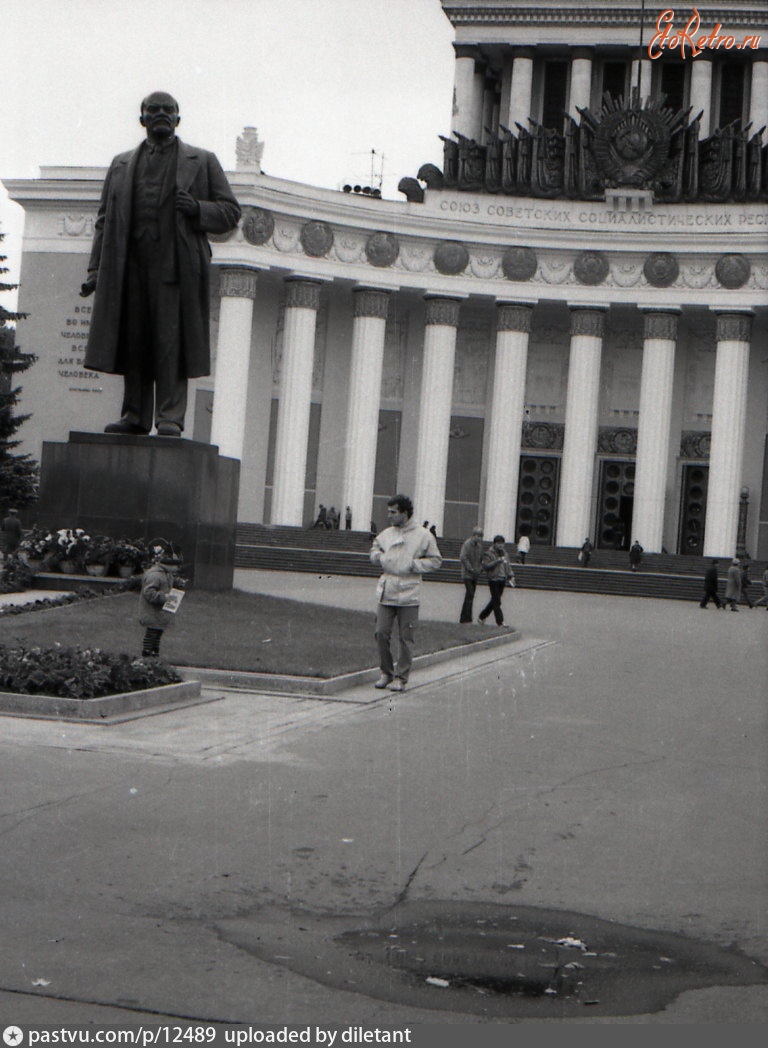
x=71 y=546
x=128 y=557
x=99 y=554
x=35 y=547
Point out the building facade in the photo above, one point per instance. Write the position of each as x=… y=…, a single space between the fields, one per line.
x=561 y=331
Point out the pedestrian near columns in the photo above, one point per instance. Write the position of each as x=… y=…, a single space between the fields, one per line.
x=499 y=571
x=585 y=553
x=635 y=556
x=710 y=587
x=471 y=558
x=523 y=547
x=404 y=552
x=733 y=585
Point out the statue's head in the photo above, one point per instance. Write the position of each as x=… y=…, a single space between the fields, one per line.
x=159 y=114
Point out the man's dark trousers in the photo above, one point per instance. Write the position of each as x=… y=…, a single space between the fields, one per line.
x=470 y=585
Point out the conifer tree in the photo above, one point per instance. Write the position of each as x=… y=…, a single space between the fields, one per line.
x=18 y=472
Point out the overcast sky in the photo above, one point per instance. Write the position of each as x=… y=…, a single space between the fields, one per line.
x=324 y=81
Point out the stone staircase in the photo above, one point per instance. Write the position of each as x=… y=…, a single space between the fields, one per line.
x=322 y=552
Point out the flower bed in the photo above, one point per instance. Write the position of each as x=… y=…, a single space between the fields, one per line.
x=88 y=685
x=79 y=673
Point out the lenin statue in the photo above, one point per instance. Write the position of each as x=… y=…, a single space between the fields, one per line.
x=150 y=269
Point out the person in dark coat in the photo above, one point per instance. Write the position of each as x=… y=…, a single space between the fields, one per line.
x=585 y=553
x=11 y=532
x=710 y=587
x=156 y=584
x=635 y=555
x=150 y=269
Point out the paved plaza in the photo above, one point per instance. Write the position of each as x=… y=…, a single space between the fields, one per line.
x=612 y=762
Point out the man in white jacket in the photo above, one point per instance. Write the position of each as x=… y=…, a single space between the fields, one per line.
x=403 y=551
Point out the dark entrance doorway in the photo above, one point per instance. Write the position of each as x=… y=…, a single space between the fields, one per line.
x=537 y=498
x=617 y=497
x=693 y=509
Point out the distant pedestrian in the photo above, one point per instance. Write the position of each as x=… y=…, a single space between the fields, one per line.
x=404 y=552
x=433 y=529
x=348 y=519
x=499 y=571
x=156 y=598
x=11 y=533
x=746 y=582
x=523 y=547
x=710 y=587
x=471 y=559
x=733 y=585
x=332 y=521
x=635 y=555
x=322 y=517
x=585 y=553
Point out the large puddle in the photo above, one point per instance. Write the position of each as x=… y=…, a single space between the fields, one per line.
x=498 y=961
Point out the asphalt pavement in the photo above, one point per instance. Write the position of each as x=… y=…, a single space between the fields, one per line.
x=611 y=763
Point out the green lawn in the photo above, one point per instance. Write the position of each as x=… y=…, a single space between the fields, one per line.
x=232 y=630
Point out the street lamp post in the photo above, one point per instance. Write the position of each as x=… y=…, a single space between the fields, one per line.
x=741 y=531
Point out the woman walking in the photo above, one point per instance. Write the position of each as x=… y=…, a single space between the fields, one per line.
x=497 y=566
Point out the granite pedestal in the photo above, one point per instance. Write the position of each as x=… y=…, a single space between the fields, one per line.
x=146 y=487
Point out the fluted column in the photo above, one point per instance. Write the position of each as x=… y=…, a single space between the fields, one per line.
x=467 y=92
x=758 y=102
x=292 y=437
x=233 y=353
x=701 y=92
x=520 y=91
x=653 y=430
x=729 y=416
x=574 y=514
x=442 y=320
x=370 y=321
x=513 y=325
x=580 y=91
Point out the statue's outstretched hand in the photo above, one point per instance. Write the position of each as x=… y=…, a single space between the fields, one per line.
x=187 y=204
x=88 y=287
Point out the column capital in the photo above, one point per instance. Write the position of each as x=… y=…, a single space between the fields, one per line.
x=370 y=302
x=237 y=281
x=523 y=52
x=443 y=311
x=466 y=51
x=588 y=320
x=514 y=316
x=582 y=53
x=301 y=293
x=660 y=323
x=734 y=325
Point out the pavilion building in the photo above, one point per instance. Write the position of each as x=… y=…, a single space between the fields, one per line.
x=562 y=331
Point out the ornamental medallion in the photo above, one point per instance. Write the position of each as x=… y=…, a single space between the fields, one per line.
x=382 y=249
x=590 y=267
x=661 y=269
x=519 y=263
x=316 y=238
x=258 y=226
x=451 y=258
